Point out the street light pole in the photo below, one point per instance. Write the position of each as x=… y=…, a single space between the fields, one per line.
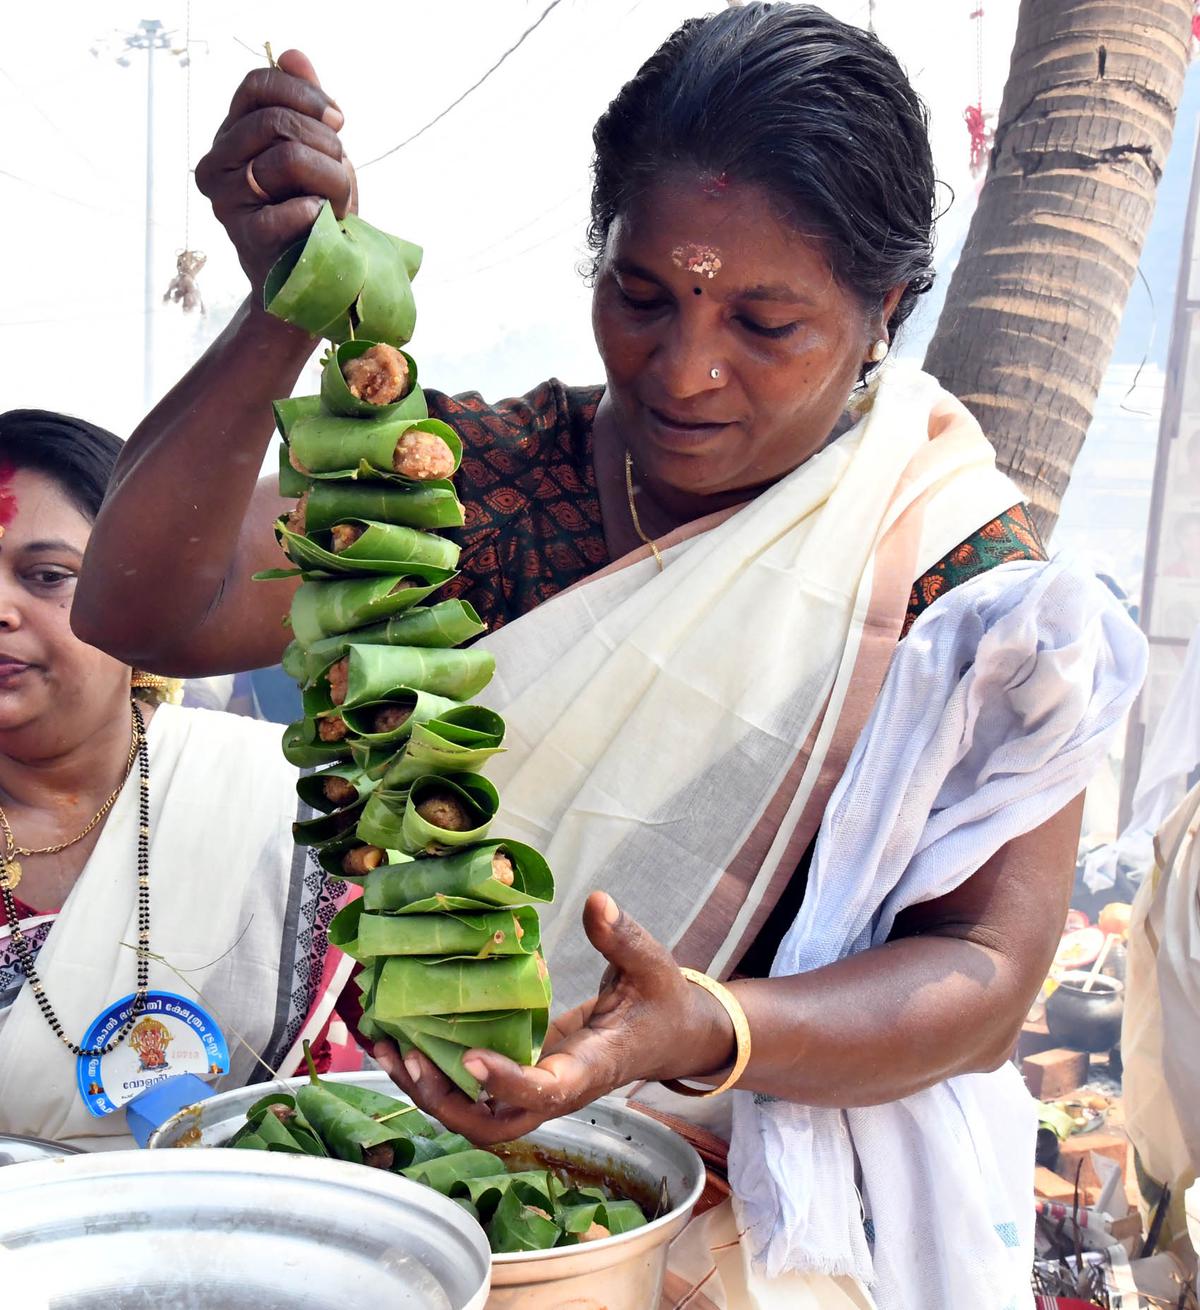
x=148 y=36
x=151 y=27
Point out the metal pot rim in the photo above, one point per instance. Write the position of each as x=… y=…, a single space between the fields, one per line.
x=1102 y=985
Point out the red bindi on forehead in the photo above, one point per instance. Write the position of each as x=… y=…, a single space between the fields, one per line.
x=8 y=497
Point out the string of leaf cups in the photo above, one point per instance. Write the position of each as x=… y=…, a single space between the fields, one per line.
x=446 y=928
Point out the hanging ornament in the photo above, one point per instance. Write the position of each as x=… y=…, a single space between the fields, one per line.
x=183 y=289
x=981 y=131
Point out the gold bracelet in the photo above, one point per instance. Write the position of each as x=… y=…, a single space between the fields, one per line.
x=741 y=1031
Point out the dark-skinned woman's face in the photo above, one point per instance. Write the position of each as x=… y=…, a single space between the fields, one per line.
x=702 y=275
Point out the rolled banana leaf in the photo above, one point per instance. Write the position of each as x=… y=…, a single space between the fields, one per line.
x=348 y=1134
x=303 y=748
x=385 y=309
x=292 y=483
x=326 y=609
x=414 y=504
x=382 y=548
x=393 y=819
x=374 y=672
x=315 y=281
x=312 y=790
x=448 y=623
x=501 y=932
x=616 y=1216
x=459 y=741
x=360 y=719
x=446 y=1038
x=361 y=231
x=330 y=855
x=368 y=734
x=441 y=1174
x=288 y=412
x=463 y=881
x=329 y=827
x=409 y=986
x=518 y=1223
x=291 y=1138
x=337 y=398
x=385 y=1109
x=327 y=446
x=485 y=1193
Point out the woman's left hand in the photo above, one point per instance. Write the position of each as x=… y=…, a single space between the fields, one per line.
x=647 y=1022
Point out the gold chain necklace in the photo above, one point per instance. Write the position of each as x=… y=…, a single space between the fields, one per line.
x=10 y=867
x=633 y=514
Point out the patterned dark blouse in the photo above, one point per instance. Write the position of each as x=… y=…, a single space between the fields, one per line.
x=533 y=528
x=533 y=514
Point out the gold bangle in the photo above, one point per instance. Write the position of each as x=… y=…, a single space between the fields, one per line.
x=741 y=1031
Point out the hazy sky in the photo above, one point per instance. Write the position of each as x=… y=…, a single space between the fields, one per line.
x=496 y=192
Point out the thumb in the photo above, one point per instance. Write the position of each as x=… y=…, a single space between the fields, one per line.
x=624 y=943
x=297 y=64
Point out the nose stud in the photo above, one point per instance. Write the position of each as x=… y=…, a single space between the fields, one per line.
x=714 y=373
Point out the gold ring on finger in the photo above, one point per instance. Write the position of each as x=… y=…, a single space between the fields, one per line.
x=252 y=183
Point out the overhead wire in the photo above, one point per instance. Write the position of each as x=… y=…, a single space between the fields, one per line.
x=437 y=118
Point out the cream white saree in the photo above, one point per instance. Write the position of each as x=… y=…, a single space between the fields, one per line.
x=678 y=739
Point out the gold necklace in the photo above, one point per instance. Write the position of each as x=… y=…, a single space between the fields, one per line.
x=10 y=867
x=633 y=514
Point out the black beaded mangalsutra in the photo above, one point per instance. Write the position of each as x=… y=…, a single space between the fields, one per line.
x=24 y=952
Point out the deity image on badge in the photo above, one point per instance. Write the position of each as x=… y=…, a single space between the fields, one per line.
x=150 y=1039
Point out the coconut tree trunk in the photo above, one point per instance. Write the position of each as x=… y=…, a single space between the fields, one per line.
x=1033 y=308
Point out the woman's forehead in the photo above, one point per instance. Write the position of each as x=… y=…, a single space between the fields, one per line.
x=716 y=234
x=33 y=507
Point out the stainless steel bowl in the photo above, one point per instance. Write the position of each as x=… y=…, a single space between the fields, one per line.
x=21 y=1150
x=607 y=1140
x=231 y=1230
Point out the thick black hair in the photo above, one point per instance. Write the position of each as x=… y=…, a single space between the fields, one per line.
x=77 y=455
x=815 y=111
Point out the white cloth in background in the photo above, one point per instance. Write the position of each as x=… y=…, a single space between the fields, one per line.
x=1170 y=761
x=997 y=708
x=1160 y=1031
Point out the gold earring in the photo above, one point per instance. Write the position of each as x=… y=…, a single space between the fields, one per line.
x=879 y=351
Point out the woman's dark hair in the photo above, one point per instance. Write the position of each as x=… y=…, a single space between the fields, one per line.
x=77 y=455
x=815 y=111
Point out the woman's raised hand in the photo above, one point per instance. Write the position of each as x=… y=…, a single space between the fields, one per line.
x=646 y=1022
x=281 y=137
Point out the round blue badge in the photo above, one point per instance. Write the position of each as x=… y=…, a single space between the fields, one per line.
x=173 y=1035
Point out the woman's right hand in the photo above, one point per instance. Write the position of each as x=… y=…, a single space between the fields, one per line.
x=283 y=125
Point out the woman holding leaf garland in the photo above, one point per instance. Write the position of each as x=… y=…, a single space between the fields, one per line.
x=822 y=710
x=130 y=826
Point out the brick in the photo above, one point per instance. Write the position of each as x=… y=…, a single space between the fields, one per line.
x=1053 y=1187
x=1079 y=1146
x=1035 y=1038
x=1054 y=1073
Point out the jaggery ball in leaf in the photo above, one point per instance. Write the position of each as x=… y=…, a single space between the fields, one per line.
x=423 y=456
x=379 y=375
x=442 y=808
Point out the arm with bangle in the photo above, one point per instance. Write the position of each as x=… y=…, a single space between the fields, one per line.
x=945 y=996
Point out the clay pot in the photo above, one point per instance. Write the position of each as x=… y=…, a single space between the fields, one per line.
x=1086 y=1021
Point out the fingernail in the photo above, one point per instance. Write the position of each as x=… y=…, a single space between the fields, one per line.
x=477 y=1069
x=611 y=911
x=333 y=117
x=413 y=1064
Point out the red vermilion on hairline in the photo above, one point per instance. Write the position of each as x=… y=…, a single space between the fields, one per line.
x=8 y=501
